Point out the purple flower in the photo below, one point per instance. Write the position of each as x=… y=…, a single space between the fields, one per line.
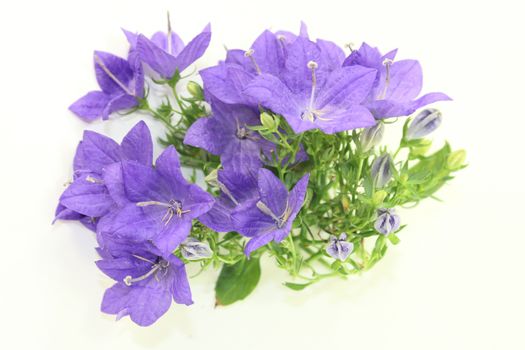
x=147 y=281
x=270 y=216
x=227 y=80
x=381 y=170
x=193 y=249
x=313 y=91
x=397 y=83
x=338 y=248
x=424 y=123
x=236 y=188
x=226 y=133
x=122 y=85
x=157 y=204
x=87 y=197
x=387 y=221
x=166 y=53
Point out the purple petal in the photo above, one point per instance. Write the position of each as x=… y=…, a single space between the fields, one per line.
x=143 y=304
x=331 y=54
x=194 y=50
x=172 y=235
x=119 y=68
x=218 y=218
x=144 y=184
x=90 y=106
x=250 y=221
x=272 y=191
x=352 y=117
x=180 y=288
x=203 y=133
x=115 y=184
x=160 y=39
x=119 y=103
x=268 y=54
x=226 y=83
x=95 y=152
x=155 y=57
x=406 y=80
x=130 y=222
x=257 y=242
x=87 y=198
x=297 y=196
x=138 y=145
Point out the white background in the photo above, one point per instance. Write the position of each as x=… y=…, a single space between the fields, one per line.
x=456 y=281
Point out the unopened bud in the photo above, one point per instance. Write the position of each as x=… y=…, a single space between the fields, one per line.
x=268 y=121
x=456 y=159
x=387 y=221
x=382 y=170
x=371 y=137
x=195 y=90
x=212 y=178
x=423 y=124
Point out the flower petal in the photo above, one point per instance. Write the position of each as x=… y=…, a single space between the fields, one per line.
x=117 y=66
x=90 y=106
x=194 y=50
x=138 y=145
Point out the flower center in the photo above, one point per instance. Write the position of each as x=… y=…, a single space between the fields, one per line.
x=157 y=268
x=280 y=221
x=174 y=207
x=112 y=76
x=312 y=114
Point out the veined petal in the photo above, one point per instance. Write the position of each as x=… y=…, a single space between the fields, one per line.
x=161 y=40
x=171 y=235
x=204 y=133
x=405 y=81
x=90 y=106
x=95 y=152
x=257 y=242
x=155 y=57
x=87 y=198
x=226 y=83
x=130 y=222
x=143 y=183
x=117 y=66
x=194 y=50
x=272 y=191
x=337 y=120
x=119 y=103
x=138 y=145
x=250 y=221
x=181 y=287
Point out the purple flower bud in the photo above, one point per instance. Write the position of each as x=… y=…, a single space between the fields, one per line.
x=192 y=249
x=338 y=248
x=423 y=124
x=387 y=221
x=372 y=136
x=382 y=170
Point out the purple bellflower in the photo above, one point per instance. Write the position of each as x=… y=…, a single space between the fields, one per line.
x=397 y=84
x=156 y=204
x=146 y=281
x=121 y=83
x=338 y=248
x=87 y=198
x=236 y=188
x=387 y=221
x=226 y=133
x=166 y=53
x=314 y=91
x=271 y=215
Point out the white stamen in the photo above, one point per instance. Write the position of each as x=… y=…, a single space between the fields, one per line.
x=93 y=180
x=168 y=36
x=112 y=76
x=280 y=221
x=227 y=192
x=174 y=208
x=310 y=114
x=350 y=46
x=249 y=54
x=387 y=62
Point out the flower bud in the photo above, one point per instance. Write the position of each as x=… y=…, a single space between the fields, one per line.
x=379 y=197
x=421 y=148
x=423 y=124
x=268 y=121
x=371 y=137
x=338 y=248
x=212 y=178
x=195 y=90
x=193 y=249
x=456 y=159
x=387 y=221
x=382 y=170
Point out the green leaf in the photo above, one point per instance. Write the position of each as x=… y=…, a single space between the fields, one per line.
x=237 y=281
x=296 y=286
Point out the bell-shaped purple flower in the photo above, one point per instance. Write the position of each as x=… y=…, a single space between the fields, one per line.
x=397 y=84
x=381 y=170
x=122 y=85
x=88 y=198
x=314 y=91
x=387 y=221
x=226 y=133
x=166 y=53
x=338 y=248
x=423 y=124
x=156 y=204
x=269 y=216
x=146 y=281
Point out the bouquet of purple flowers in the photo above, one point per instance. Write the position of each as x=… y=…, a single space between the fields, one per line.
x=282 y=141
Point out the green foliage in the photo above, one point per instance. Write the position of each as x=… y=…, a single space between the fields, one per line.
x=237 y=281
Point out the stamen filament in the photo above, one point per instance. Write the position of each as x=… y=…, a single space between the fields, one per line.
x=168 y=36
x=227 y=192
x=249 y=54
x=148 y=203
x=112 y=76
x=93 y=180
x=128 y=280
x=387 y=63
x=280 y=221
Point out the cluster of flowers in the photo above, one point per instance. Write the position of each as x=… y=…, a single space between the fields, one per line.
x=142 y=213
